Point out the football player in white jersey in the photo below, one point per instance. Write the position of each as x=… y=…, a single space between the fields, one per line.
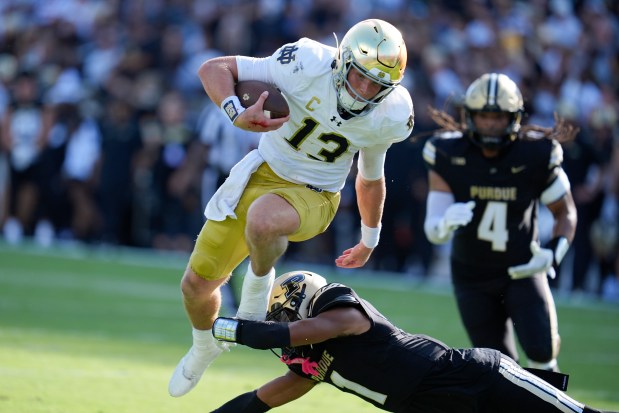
x=343 y=100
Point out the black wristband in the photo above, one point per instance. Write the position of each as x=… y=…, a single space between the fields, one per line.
x=245 y=403
x=263 y=335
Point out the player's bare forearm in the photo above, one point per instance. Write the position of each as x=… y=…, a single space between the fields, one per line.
x=284 y=389
x=565 y=218
x=370 y=200
x=218 y=77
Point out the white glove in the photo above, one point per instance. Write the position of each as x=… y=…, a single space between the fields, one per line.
x=456 y=215
x=541 y=261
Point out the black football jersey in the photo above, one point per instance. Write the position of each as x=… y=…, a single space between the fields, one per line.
x=392 y=369
x=506 y=190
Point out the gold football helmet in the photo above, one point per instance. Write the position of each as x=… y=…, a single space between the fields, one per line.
x=377 y=50
x=291 y=295
x=493 y=92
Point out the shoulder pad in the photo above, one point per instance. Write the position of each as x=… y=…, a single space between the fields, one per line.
x=295 y=65
x=306 y=56
x=394 y=118
x=329 y=296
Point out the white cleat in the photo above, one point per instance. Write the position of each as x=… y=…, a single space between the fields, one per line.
x=191 y=367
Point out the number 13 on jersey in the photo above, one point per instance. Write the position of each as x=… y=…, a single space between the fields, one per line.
x=325 y=155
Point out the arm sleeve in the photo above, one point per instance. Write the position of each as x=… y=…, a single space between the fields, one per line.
x=254 y=68
x=245 y=403
x=371 y=162
x=263 y=335
x=436 y=205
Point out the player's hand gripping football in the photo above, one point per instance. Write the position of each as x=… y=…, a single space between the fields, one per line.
x=255 y=120
x=457 y=215
x=541 y=261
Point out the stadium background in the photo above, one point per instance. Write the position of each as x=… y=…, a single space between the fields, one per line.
x=123 y=157
x=121 y=166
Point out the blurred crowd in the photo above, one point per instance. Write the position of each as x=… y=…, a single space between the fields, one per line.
x=107 y=137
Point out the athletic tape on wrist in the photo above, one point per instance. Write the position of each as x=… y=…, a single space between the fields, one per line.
x=225 y=329
x=370 y=236
x=232 y=107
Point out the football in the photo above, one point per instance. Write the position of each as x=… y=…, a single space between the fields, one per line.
x=248 y=92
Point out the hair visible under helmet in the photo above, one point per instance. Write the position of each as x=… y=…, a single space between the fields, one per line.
x=493 y=92
x=377 y=50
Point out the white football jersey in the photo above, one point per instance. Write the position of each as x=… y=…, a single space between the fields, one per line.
x=316 y=146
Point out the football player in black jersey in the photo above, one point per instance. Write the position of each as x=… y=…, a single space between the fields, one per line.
x=327 y=333
x=487 y=176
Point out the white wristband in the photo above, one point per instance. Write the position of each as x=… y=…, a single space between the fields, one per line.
x=232 y=107
x=370 y=236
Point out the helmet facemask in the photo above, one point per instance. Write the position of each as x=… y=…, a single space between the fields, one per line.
x=493 y=140
x=493 y=92
x=376 y=49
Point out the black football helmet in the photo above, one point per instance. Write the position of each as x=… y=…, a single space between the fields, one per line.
x=493 y=92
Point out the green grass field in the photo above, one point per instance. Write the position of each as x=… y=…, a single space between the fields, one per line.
x=85 y=331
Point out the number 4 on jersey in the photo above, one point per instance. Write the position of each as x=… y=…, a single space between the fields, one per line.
x=493 y=225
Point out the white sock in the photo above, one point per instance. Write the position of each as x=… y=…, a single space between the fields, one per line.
x=202 y=339
x=255 y=293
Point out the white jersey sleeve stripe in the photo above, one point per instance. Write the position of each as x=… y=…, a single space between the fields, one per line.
x=557 y=189
x=556 y=156
x=429 y=153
